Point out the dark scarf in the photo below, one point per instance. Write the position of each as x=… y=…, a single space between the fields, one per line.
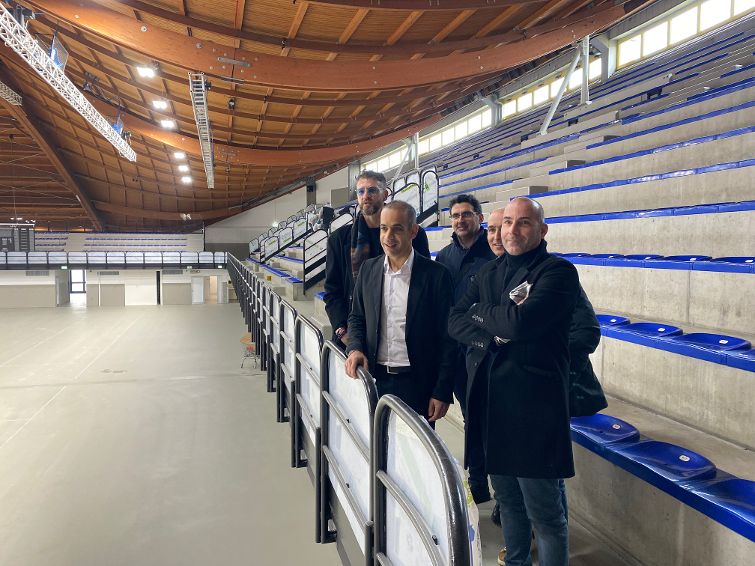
x=360 y=244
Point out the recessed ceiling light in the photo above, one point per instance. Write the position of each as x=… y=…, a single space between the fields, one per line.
x=183 y=168
x=186 y=180
x=160 y=104
x=179 y=155
x=168 y=124
x=146 y=72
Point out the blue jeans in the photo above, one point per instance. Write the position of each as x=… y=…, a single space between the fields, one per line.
x=526 y=503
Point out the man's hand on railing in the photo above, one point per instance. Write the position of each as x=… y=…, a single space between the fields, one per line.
x=356 y=359
x=437 y=410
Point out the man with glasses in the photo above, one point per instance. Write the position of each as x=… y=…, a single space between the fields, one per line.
x=350 y=246
x=464 y=256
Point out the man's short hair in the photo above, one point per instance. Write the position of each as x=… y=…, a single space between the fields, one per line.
x=469 y=199
x=379 y=178
x=536 y=206
x=409 y=212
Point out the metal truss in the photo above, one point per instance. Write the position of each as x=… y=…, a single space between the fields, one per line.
x=198 y=92
x=7 y=93
x=23 y=43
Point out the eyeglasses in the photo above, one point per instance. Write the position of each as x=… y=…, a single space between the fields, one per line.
x=369 y=190
x=466 y=215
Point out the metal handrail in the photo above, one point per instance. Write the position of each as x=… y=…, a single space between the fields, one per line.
x=453 y=491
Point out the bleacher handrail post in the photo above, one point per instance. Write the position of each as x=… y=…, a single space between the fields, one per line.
x=453 y=494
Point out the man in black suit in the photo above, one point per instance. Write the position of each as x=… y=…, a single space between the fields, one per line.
x=399 y=319
x=515 y=318
x=351 y=245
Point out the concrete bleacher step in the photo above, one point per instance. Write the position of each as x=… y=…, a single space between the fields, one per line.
x=664 y=232
x=722 y=182
x=639 y=521
x=691 y=298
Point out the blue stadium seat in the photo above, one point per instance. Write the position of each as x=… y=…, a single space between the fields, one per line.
x=735 y=259
x=612 y=319
x=575 y=254
x=733 y=494
x=604 y=429
x=670 y=461
x=688 y=258
x=654 y=329
x=713 y=341
x=608 y=256
x=741 y=359
x=643 y=256
x=321 y=295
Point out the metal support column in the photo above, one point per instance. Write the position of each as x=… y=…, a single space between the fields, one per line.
x=585 y=51
x=560 y=94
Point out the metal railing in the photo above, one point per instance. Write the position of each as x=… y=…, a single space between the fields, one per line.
x=121 y=259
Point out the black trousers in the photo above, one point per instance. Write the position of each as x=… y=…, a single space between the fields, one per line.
x=404 y=386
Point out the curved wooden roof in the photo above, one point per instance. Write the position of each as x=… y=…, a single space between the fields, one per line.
x=316 y=84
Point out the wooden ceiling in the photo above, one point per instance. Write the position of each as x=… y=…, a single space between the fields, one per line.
x=314 y=84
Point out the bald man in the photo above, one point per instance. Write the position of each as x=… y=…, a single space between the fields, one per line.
x=515 y=319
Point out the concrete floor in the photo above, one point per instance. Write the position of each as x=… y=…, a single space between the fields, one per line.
x=130 y=436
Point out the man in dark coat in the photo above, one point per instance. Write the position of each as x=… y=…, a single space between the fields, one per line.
x=515 y=318
x=349 y=246
x=398 y=326
x=464 y=256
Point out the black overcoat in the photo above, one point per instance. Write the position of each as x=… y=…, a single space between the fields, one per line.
x=518 y=392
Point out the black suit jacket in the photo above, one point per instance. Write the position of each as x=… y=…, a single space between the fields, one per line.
x=518 y=392
x=339 y=283
x=427 y=342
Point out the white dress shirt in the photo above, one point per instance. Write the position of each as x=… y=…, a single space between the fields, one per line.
x=392 y=343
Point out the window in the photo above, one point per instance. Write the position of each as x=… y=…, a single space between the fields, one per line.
x=487 y=117
x=447 y=136
x=541 y=94
x=742 y=6
x=460 y=130
x=394 y=159
x=630 y=50
x=595 y=69
x=78 y=281
x=655 y=39
x=434 y=142
x=509 y=108
x=575 y=80
x=683 y=26
x=524 y=102
x=714 y=12
x=424 y=146
x=475 y=124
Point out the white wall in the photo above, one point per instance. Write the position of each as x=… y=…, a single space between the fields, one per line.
x=337 y=180
x=140 y=285
x=244 y=226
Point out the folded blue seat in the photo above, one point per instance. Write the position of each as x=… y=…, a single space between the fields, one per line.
x=321 y=295
x=741 y=359
x=612 y=319
x=735 y=495
x=735 y=259
x=713 y=341
x=576 y=254
x=688 y=258
x=643 y=256
x=670 y=461
x=653 y=329
x=604 y=429
x=608 y=256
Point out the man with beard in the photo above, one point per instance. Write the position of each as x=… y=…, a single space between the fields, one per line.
x=463 y=257
x=515 y=318
x=350 y=246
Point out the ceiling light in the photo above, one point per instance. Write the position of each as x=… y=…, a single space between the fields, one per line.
x=146 y=72
x=198 y=88
x=179 y=155
x=160 y=104
x=168 y=124
x=186 y=180
x=18 y=38
x=183 y=168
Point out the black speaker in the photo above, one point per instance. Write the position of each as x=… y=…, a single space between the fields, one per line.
x=310 y=185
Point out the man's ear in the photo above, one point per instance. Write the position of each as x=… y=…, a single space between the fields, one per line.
x=415 y=230
x=544 y=229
